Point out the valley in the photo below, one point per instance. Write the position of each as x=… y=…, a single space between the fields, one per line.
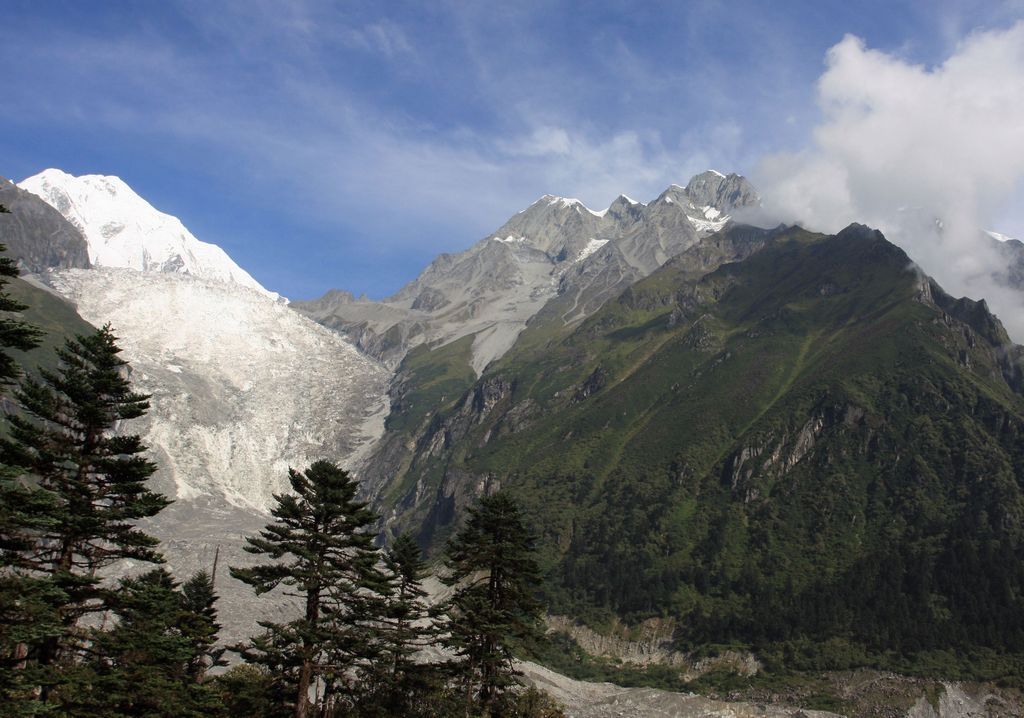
x=787 y=444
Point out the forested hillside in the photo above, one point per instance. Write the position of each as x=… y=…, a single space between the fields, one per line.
x=815 y=443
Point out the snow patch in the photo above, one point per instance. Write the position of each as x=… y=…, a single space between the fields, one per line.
x=998 y=236
x=708 y=226
x=511 y=239
x=561 y=201
x=552 y=200
x=592 y=246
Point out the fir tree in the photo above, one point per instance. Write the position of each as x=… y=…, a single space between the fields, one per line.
x=397 y=683
x=26 y=614
x=322 y=553
x=143 y=665
x=89 y=482
x=14 y=333
x=199 y=625
x=492 y=567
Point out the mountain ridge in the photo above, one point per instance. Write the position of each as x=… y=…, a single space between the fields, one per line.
x=494 y=288
x=797 y=396
x=124 y=230
x=36 y=234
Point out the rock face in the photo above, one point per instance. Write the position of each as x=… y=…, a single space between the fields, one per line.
x=38 y=235
x=1012 y=252
x=556 y=251
x=124 y=230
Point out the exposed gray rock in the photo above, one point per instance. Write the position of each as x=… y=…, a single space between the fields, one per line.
x=556 y=258
x=37 y=235
x=725 y=192
x=1012 y=252
x=582 y=699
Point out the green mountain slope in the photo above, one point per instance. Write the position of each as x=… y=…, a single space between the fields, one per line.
x=814 y=443
x=56 y=317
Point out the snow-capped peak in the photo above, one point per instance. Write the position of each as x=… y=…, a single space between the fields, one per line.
x=553 y=200
x=999 y=236
x=124 y=230
x=562 y=201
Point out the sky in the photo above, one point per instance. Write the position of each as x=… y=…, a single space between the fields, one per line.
x=344 y=145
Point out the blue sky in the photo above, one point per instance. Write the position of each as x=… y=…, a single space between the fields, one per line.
x=346 y=144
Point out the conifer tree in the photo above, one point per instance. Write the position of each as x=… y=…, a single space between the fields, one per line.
x=26 y=614
x=89 y=481
x=14 y=333
x=495 y=575
x=397 y=683
x=199 y=625
x=322 y=553
x=143 y=664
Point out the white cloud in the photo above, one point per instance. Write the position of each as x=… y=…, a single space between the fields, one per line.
x=902 y=145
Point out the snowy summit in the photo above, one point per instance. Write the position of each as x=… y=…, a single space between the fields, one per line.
x=124 y=230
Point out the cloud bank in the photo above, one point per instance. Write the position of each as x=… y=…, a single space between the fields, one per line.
x=929 y=155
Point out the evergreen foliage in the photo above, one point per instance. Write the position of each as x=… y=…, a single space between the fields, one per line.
x=250 y=690
x=26 y=614
x=395 y=682
x=353 y=651
x=89 y=482
x=14 y=333
x=494 y=608
x=199 y=625
x=144 y=664
x=812 y=444
x=323 y=553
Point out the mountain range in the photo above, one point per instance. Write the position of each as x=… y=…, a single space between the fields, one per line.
x=771 y=438
x=556 y=248
x=742 y=445
x=242 y=386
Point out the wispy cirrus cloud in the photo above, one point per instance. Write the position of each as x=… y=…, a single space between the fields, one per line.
x=388 y=134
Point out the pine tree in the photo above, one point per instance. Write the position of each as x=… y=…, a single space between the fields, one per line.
x=396 y=683
x=88 y=480
x=142 y=665
x=495 y=575
x=14 y=333
x=199 y=625
x=26 y=614
x=323 y=554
